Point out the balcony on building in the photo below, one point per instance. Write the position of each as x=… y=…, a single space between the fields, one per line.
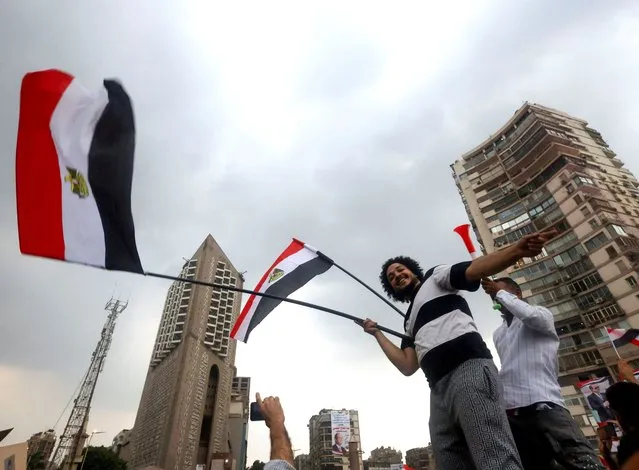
x=549 y=149
x=616 y=162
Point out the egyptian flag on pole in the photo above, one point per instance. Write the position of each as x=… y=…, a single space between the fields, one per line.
x=621 y=337
x=74 y=170
x=297 y=265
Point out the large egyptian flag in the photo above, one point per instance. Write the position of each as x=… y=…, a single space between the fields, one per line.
x=74 y=170
x=621 y=337
x=297 y=265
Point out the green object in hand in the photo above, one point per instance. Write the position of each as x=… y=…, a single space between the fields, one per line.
x=496 y=306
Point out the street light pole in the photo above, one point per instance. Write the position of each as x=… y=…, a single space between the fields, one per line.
x=88 y=444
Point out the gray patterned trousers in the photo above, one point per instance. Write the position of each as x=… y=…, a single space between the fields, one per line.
x=468 y=424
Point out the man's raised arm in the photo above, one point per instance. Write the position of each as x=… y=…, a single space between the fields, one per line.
x=281 y=449
x=493 y=263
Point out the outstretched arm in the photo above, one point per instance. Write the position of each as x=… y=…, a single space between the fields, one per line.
x=404 y=358
x=281 y=449
x=493 y=263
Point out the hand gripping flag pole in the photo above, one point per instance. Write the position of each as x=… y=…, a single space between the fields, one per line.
x=464 y=232
x=359 y=321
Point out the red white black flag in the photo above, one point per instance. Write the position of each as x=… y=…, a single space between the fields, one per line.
x=621 y=337
x=74 y=170
x=296 y=266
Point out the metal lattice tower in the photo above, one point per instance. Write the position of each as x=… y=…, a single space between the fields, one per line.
x=69 y=452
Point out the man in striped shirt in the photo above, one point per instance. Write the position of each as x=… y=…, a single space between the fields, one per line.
x=527 y=345
x=468 y=426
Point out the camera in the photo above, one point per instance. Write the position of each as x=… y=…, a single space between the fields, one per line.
x=256 y=413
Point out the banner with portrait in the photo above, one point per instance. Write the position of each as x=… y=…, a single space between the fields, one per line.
x=594 y=391
x=340 y=431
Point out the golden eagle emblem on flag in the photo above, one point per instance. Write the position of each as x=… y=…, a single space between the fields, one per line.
x=79 y=184
x=275 y=275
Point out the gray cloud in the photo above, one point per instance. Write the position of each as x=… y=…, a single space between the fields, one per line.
x=337 y=128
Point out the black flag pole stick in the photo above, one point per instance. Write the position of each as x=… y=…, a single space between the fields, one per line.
x=357 y=320
x=386 y=301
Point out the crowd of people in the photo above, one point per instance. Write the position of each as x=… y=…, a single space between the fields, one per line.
x=482 y=418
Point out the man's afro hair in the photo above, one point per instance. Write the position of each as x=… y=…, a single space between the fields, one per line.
x=410 y=263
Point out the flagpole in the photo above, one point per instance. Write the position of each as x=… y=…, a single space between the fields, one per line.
x=322 y=255
x=359 y=321
x=611 y=341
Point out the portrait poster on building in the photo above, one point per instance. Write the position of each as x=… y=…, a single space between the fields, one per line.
x=595 y=392
x=340 y=431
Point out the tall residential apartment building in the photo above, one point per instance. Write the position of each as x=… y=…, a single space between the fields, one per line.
x=321 y=440
x=182 y=420
x=545 y=169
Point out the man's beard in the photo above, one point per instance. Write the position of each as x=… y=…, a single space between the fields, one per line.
x=405 y=294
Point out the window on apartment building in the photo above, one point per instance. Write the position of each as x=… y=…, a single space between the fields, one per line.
x=621 y=266
x=585 y=210
x=619 y=230
x=612 y=252
x=586 y=283
x=597 y=296
x=570 y=188
x=602 y=315
x=595 y=242
x=579 y=180
x=578 y=199
x=632 y=282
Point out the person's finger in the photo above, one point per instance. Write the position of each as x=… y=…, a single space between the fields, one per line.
x=258 y=398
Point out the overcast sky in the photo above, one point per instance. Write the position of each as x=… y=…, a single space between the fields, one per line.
x=335 y=124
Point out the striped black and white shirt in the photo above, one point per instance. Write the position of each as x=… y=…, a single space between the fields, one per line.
x=527 y=349
x=441 y=324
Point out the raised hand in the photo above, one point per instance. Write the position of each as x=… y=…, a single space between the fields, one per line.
x=271 y=410
x=490 y=287
x=531 y=245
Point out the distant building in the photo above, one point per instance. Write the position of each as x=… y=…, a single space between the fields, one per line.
x=239 y=419
x=42 y=443
x=322 y=439
x=183 y=418
x=303 y=462
x=421 y=458
x=383 y=458
x=121 y=445
x=14 y=457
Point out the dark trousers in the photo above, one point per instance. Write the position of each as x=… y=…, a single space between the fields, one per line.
x=547 y=437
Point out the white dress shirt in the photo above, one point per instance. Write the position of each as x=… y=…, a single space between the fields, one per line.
x=278 y=465
x=528 y=353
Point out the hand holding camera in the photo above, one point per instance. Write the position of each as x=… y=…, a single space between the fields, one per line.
x=268 y=410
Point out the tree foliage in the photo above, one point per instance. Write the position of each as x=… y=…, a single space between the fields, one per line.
x=36 y=461
x=102 y=458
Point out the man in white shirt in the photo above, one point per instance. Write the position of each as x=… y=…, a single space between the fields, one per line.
x=527 y=345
